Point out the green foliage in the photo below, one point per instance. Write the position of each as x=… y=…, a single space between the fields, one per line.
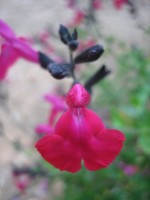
x=127 y=96
x=106 y=184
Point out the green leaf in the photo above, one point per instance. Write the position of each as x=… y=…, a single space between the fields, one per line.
x=144 y=143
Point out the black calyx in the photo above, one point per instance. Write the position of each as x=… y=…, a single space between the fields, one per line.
x=98 y=76
x=74 y=34
x=44 y=60
x=59 y=71
x=68 y=39
x=73 y=45
x=64 y=34
x=89 y=55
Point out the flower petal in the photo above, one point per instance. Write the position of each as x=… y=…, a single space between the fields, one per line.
x=7 y=58
x=6 y=31
x=119 y=3
x=103 y=149
x=19 y=44
x=79 y=125
x=44 y=128
x=57 y=101
x=60 y=153
x=25 y=50
x=53 y=115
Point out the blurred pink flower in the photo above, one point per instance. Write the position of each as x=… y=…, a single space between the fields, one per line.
x=97 y=4
x=119 y=3
x=86 y=44
x=80 y=135
x=7 y=58
x=71 y=3
x=13 y=48
x=77 y=19
x=58 y=106
x=22 y=181
x=44 y=128
x=44 y=36
x=128 y=169
x=57 y=58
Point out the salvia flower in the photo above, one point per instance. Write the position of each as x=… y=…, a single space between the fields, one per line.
x=97 y=4
x=128 y=169
x=71 y=3
x=80 y=135
x=7 y=58
x=22 y=181
x=119 y=3
x=58 y=106
x=12 y=48
x=78 y=18
x=44 y=129
x=86 y=44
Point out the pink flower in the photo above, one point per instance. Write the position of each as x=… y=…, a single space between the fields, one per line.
x=97 y=4
x=22 y=181
x=71 y=3
x=80 y=135
x=12 y=49
x=119 y=3
x=78 y=18
x=44 y=128
x=86 y=44
x=7 y=58
x=58 y=106
x=128 y=169
x=44 y=36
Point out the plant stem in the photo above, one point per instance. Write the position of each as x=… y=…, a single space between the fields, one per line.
x=72 y=66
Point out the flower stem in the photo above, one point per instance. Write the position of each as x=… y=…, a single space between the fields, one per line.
x=72 y=66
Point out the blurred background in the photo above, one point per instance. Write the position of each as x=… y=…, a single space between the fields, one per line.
x=122 y=99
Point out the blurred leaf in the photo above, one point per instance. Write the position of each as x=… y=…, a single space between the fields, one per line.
x=144 y=143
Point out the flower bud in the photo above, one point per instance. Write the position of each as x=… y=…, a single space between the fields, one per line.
x=59 y=71
x=90 y=54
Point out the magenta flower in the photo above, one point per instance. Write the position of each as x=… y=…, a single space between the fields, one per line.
x=44 y=128
x=58 y=106
x=128 y=169
x=78 y=18
x=22 y=181
x=7 y=58
x=119 y=3
x=97 y=4
x=44 y=36
x=80 y=135
x=86 y=44
x=12 y=49
x=71 y=3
